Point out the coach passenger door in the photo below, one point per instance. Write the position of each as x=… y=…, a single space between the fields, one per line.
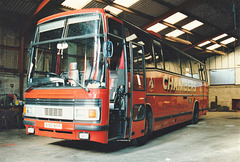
x=138 y=91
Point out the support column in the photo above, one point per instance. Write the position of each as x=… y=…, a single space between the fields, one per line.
x=20 y=65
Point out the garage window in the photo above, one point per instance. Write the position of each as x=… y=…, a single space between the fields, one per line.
x=222 y=76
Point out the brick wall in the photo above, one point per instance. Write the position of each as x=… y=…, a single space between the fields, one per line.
x=224 y=94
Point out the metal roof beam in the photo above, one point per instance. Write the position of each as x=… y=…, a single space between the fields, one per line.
x=173 y=9
x=207 y=39
x=40 y=7
x=183 y=6
x=129 y=10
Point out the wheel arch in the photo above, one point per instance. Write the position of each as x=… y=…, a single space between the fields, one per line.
x=195 y=105
x=148 y=107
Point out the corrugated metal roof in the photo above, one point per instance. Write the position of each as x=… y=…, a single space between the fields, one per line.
x=174 y=2
x=134 y=19
x=94 y=4
x=19 y=6
x=217 y=15
x=150 y=7
x=212 y=12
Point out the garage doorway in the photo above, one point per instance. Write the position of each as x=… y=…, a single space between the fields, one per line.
x=236 y=104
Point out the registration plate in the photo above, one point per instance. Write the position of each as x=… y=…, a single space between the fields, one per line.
x=53 y=125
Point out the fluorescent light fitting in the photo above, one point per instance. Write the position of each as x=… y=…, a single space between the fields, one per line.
x=125 y=3
x=213 y=47
x=141 y=42
x=157 y=27
x=133 y=46
x=114 y=10
x=192 y=25
x=76 y=4
x=138 y=78
x=204 y=43
x=220 y=37
x=229 y=40
x=148 y=57
x=131 y=37
x=175 y=18
x=175 y=33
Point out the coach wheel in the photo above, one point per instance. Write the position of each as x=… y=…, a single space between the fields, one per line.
x=195 y=114
x=149 y=123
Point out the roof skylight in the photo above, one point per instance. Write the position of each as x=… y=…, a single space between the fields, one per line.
x=126 y=3
x=213 y=47
x=114 y=10
x=204 y=43
x=141 y=42
x=76 y=4
x=175 y=33
x=192 y=25
x=131 y=37
x=157 y=27
x=229 y=40
x=220 y=37
x=175 y=18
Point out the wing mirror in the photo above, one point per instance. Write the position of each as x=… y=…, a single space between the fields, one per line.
x=108 y=49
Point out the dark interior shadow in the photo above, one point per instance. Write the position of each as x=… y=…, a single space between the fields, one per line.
x=116 y=145
x=93 y=146
x=168 y=130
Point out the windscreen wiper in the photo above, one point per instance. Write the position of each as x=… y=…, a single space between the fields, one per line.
x=54 y=80
x=38 y=85
x=86 y=89
x=50 y=82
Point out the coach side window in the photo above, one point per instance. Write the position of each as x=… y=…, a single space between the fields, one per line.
x=195 y=66
x=202 y=72
x=143 y=39
x=186 y=66
x=149 y=57
x=158 y=54
x=171 y=59
x=115 y=27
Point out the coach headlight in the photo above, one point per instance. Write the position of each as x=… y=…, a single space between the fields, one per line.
x=87 y=113
x=29 y=110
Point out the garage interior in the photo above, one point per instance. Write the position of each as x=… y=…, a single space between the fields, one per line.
x=208 y=30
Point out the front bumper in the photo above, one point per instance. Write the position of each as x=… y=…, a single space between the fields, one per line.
x=68 y=130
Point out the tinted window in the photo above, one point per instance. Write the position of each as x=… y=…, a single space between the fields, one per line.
x=143 y=39
x=158 y=54
x=185 y=66
x=171 y=59
x=115 y=27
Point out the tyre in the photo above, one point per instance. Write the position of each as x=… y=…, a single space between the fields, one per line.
x=195 y=117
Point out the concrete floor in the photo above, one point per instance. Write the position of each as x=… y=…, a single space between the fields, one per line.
x=215 y=138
